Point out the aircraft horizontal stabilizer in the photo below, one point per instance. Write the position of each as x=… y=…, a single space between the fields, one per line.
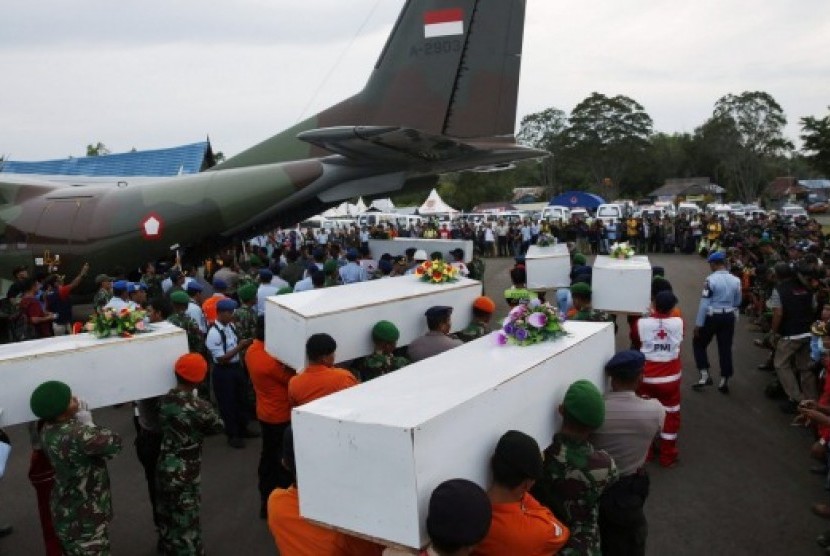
x=411 y=149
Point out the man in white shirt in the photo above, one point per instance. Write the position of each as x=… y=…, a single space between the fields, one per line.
x=194 y=308
x=228 y=376
x=120 y=297
x=266 y=289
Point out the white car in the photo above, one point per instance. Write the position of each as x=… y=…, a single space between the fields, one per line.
x=793 y=211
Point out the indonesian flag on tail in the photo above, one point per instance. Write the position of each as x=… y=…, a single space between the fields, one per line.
x=443 y=23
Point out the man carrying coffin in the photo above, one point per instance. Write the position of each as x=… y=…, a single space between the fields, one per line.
x=660 y=336
x=81 y=501
x=437 y=340
x=383 y=360
x=321 y=377
x=575 y=474
x=520 y=524
x=630 y=425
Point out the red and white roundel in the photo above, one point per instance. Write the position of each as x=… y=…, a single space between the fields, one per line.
x=574 y=199
x=151 y=226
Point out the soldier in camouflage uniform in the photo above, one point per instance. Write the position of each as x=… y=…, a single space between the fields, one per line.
x=581 y=295
x=151 y=281
x=575 y=475
x=483 y=309
x=383 y=360
x=245 y=316
x=195 y=340
x=185 y=420
x=476 y=266
x=104 y=293
x=81 y=502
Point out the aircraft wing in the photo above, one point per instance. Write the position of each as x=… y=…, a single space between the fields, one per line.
x=408 y=148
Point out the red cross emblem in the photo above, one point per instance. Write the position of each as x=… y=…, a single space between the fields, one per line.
x=661 y=334
x=151 y=226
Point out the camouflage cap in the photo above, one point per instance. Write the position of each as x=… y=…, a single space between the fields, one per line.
x=103 y=278
x=385 y=331
x=50 y=399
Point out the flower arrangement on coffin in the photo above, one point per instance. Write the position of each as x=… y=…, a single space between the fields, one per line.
x=546 y=241
x=530 y=324
x=123 y=323
x=622 y=250
x=436 y=272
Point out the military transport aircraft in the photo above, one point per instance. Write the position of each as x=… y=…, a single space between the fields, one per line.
x=442 y=98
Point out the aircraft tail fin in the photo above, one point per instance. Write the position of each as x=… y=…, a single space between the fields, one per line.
x=449 y=67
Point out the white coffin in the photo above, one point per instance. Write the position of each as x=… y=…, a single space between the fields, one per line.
x=399 y=245
x=102 y=372
x=348 y=314
x=621 y=286
x=396 y=438
x=548 y=267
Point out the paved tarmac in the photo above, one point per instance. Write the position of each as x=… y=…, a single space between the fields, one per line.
x=742 y=485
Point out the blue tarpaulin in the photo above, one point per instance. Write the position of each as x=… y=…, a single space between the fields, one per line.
x=574 y=199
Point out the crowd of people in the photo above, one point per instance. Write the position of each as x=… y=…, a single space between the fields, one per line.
x=582 y=494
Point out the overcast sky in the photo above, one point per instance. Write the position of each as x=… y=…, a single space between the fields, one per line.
x=152 y=74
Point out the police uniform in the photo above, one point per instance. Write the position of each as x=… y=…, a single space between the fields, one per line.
x=435 y=341
x=228 y=377
x=716 y=317
x=626 y=434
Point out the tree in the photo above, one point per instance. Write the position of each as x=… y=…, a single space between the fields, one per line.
x=816 y=136
x=745 y=133
x=605 y=137
x=99 y=149
x=542 y=130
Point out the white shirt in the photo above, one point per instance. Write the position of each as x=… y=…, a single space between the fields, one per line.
x=213 y=342
x=304 y=285
x=263 y=292
x=195 y=312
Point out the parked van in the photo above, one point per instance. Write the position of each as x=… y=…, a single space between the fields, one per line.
x=793 y=211
x=556 y=213
x=608 y=212
x=653 y=212
x=689 y=209
x=403 y=221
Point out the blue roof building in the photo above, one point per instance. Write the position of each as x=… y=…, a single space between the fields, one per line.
x=581 y=199
x=176 y=161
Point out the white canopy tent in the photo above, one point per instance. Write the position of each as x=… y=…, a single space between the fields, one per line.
x=435 y=205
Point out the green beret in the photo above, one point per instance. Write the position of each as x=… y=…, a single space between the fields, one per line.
x=255 y=260
x=579 y=259
x=584 y=404
x=247 y=292
x=180 y=297
x=330 y=265
x=285 y=290
x=385 y=331
x=50 y=399
x=581 y=288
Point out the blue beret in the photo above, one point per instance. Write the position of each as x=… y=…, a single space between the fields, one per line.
x=265 y=275
x=226 y=305
x=352 y=254
x=312 y=266
x=717 y=256
x=220 y=284
x=438 y=311
x=121 y=285
x=626 y=364
x=194 y=286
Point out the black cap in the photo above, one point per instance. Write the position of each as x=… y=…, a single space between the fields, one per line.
x=520 y=451
x=459 y=513
x=458 y=253
x=438 y=312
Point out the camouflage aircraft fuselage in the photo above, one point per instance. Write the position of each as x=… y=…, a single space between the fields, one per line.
x=433 y=104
